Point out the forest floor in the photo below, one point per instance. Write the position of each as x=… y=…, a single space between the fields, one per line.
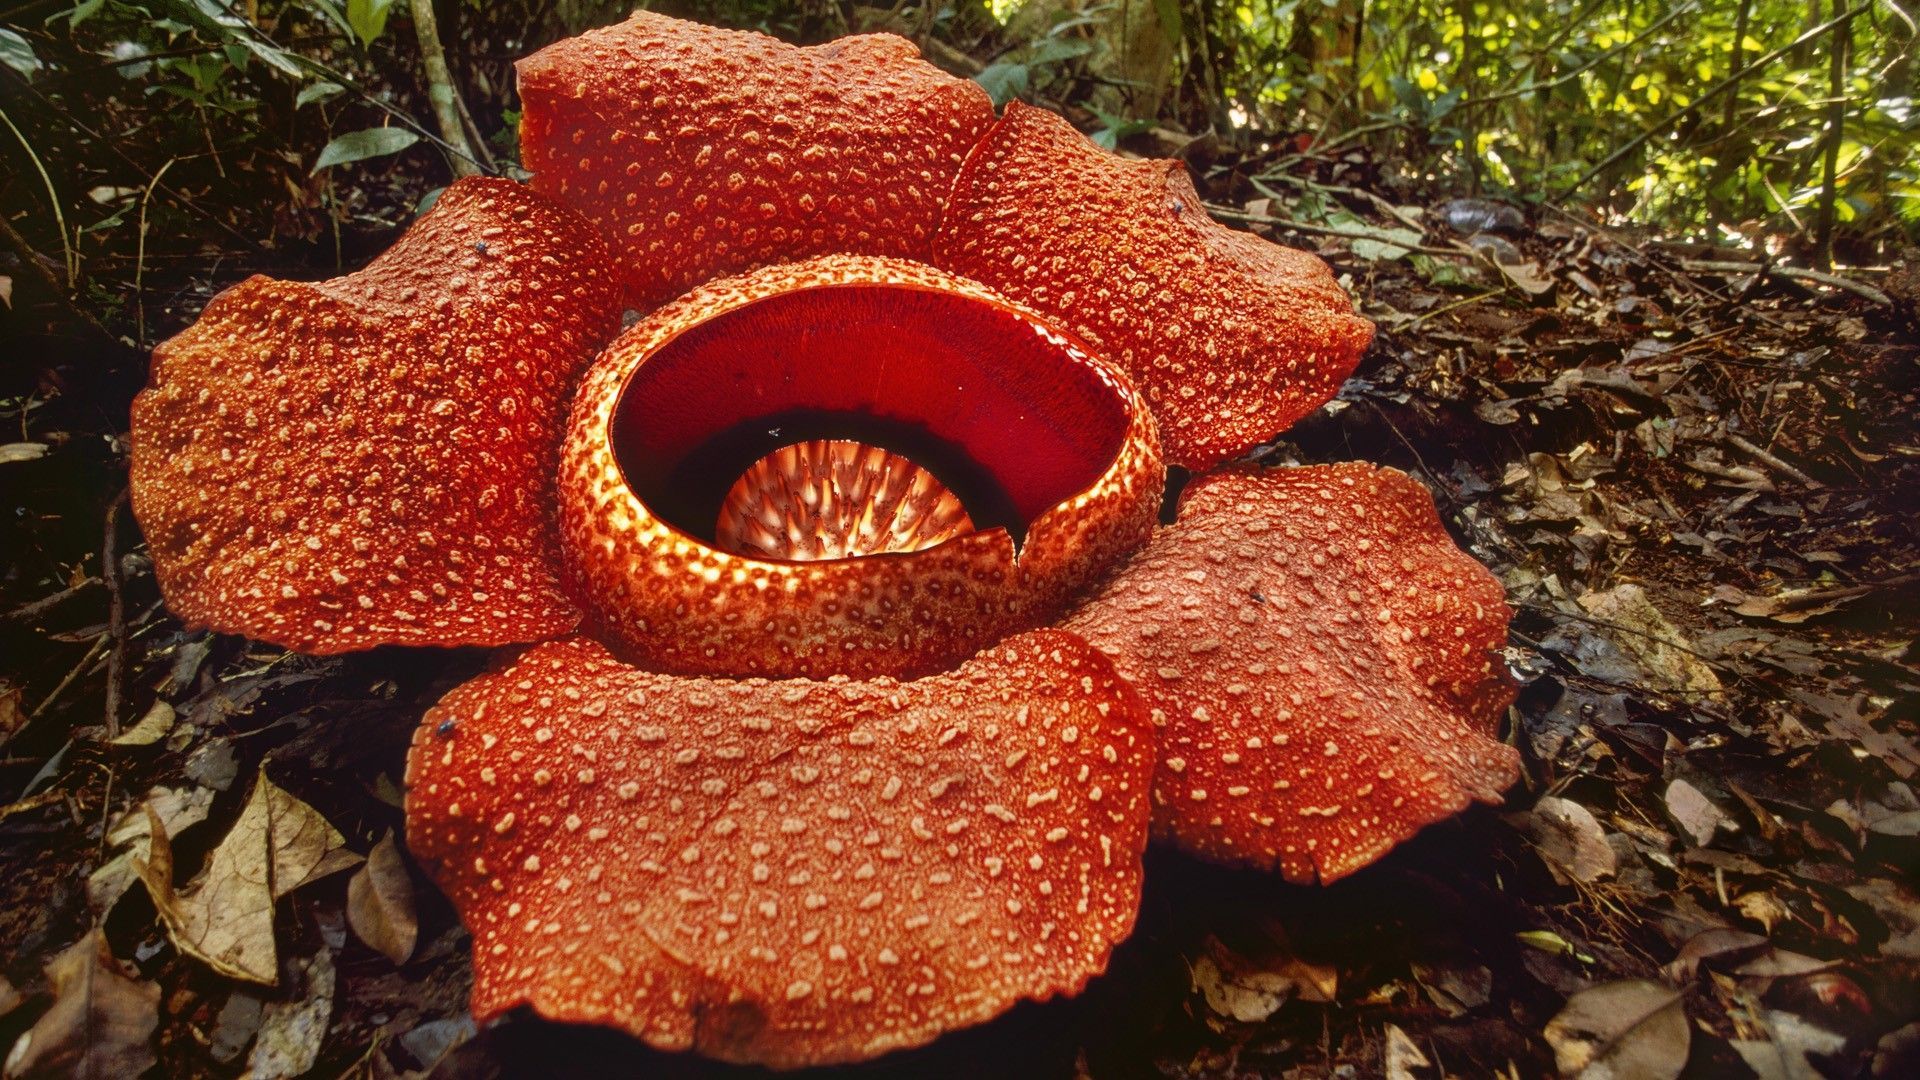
x=1696 y=482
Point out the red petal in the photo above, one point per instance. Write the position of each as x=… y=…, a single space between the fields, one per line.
x=369 y=460
x=701 y=152
x=1323 y=662
x=790 y=873
x=858 y=340
x=1231 y=338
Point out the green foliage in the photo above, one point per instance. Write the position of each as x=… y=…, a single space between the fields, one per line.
x=364 y=144
x=1688 y=114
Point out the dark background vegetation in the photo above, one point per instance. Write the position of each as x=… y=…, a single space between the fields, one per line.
x=1648 y=324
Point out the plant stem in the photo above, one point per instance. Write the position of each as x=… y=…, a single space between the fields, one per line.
x=72 y=261
x=440 y=91
x=1836 y=124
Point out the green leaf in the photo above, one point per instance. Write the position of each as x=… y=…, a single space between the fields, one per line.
x=368 y=18
x=334 y=15
x=361 y=145
x=1003 y=81
x=313 y=92
x=17 y=54
x=83 y=11
x=220 y=23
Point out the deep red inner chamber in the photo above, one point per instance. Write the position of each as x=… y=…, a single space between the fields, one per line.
x=998 y=408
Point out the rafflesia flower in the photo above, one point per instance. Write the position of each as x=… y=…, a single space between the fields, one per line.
x=863 y=673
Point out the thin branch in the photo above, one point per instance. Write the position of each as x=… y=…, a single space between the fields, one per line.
x=1832 y=281
x=116 y=615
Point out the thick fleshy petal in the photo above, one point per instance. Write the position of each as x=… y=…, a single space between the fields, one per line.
x=702 y=152
x=1065 y=446
x=790 y=873
x=1323 y=664
x=369 y=460
x=1230 y=337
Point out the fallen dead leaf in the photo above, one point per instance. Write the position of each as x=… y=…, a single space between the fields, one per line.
x=1569 y=840
x=1652 y=641
x=292 y=1032
x=101 y=1023
x=1783 y=1054
x=1694 y=813
x=225 y=918
x=380 y=902
x=1631 y=1030
x=151 y=729
x=1240 y=989
x=1403 y=1055
x=177 y=808
x=13 y=716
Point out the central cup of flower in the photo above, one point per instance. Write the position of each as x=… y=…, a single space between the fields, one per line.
x=846 y=466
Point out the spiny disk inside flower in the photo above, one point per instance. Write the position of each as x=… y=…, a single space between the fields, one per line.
x=837 y=499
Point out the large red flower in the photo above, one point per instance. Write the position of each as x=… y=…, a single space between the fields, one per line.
x=814 y=780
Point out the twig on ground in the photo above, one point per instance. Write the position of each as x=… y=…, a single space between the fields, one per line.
x=1832 y=281
x=116 y=614
x=33 y=609
x=1767 y=457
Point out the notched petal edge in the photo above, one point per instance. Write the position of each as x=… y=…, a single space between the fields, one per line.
x=1231 y=338
x=1321 y=661
x=789 y=873
x=702 y=152
x=369 y=460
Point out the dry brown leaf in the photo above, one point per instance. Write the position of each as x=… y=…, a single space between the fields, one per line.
x=1403 y=1055
x=1694 y=813
x=1250 y=991
x=1631 y=1030
x=380 y=902
x=151 y=729
x=13 y=714
x=177 y=808
x=1570 y=841
x=225 y=918
x=1651 y=640
x=101 y=1023
x=292 y=1032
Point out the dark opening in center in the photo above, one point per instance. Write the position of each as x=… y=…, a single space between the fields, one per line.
x=1011 y=420
x=697 y=486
